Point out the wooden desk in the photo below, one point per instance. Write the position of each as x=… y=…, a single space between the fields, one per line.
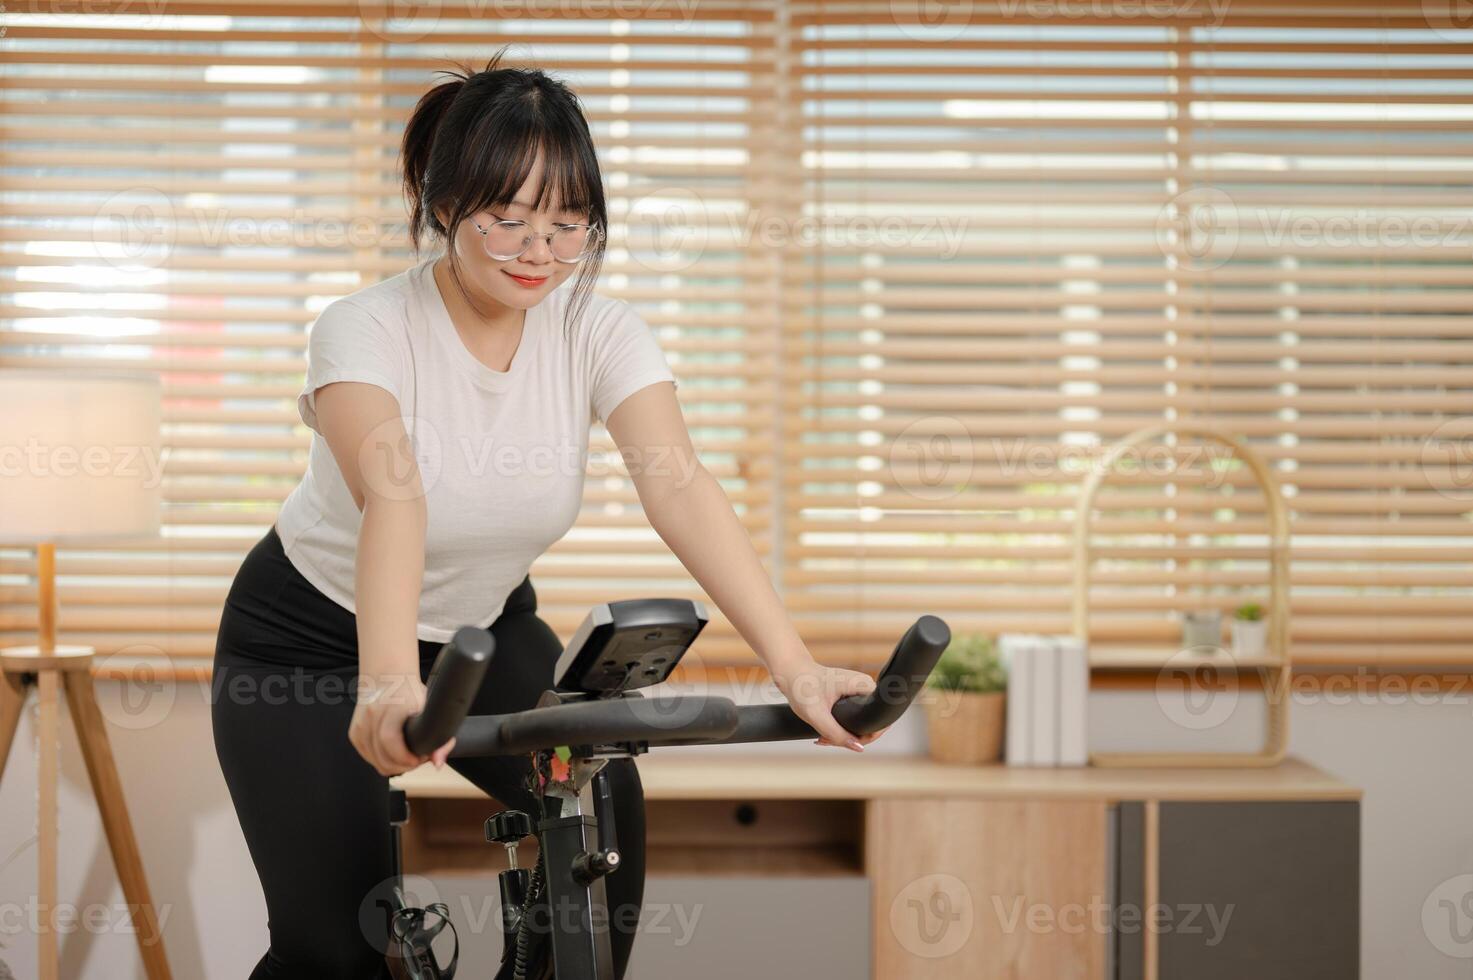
x=695 y=775
x=997 y=872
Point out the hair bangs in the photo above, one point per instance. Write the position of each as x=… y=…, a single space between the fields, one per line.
x=569 y=182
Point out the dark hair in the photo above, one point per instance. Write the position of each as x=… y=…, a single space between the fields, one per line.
x=470 y=145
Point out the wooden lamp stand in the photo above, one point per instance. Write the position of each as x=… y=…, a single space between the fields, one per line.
x=53 y=668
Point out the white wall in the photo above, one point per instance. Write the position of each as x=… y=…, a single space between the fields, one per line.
x=1411 y=760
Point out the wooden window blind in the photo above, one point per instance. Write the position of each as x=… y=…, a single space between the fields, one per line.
x=913 y=273
x=186 y=186
x=1107 y=217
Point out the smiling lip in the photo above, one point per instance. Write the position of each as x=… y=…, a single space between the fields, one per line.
x=525 y=281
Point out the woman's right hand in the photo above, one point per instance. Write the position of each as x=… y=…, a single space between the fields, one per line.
x=385 y=703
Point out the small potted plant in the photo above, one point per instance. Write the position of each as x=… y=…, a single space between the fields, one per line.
x=1249 y=630
x=1201 y=629
x=964 y=715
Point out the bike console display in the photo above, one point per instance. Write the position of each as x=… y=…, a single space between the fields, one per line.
x=625 y=645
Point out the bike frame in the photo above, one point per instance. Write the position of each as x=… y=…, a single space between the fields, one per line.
x=578 y=910
x=576 y=833
x=580 y=945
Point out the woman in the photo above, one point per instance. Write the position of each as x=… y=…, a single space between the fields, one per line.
x=451 y=406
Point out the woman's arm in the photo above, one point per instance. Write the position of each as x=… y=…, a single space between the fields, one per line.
x=364 y=429
x=690 y=511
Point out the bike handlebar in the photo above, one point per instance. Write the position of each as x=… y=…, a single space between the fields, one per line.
x=596 y=722
x=686 y=720
x=900 y=681
x=454 y=680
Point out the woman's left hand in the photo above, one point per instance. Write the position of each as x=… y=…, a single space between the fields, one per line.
x=811 y=690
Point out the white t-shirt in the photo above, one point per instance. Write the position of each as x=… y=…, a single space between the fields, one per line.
x=501 y=454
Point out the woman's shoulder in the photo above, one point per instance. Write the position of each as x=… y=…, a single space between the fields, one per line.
x=600 y=312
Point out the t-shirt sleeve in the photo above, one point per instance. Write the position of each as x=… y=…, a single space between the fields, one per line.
x=626 y=358
x=348 y=343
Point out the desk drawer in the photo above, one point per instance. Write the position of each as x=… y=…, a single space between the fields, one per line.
x=684 y=837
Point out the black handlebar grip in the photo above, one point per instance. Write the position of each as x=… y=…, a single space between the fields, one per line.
x=454 y=681
x=901 y=679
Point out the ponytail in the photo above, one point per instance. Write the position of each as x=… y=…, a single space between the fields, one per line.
x=414 y=151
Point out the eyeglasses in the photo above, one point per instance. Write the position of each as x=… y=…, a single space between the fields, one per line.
x=509 y=238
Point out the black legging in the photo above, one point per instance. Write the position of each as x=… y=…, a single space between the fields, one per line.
x=314 y=812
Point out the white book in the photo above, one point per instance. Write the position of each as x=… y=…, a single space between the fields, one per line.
x=1073 y=701
x=1012 y=649
x=1045 y=742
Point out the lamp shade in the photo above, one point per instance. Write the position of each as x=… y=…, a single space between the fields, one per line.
x=79 y=455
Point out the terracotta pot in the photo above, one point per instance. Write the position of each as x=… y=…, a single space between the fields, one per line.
x=964 y=726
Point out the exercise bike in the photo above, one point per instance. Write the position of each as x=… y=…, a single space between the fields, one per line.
x=596 y=712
